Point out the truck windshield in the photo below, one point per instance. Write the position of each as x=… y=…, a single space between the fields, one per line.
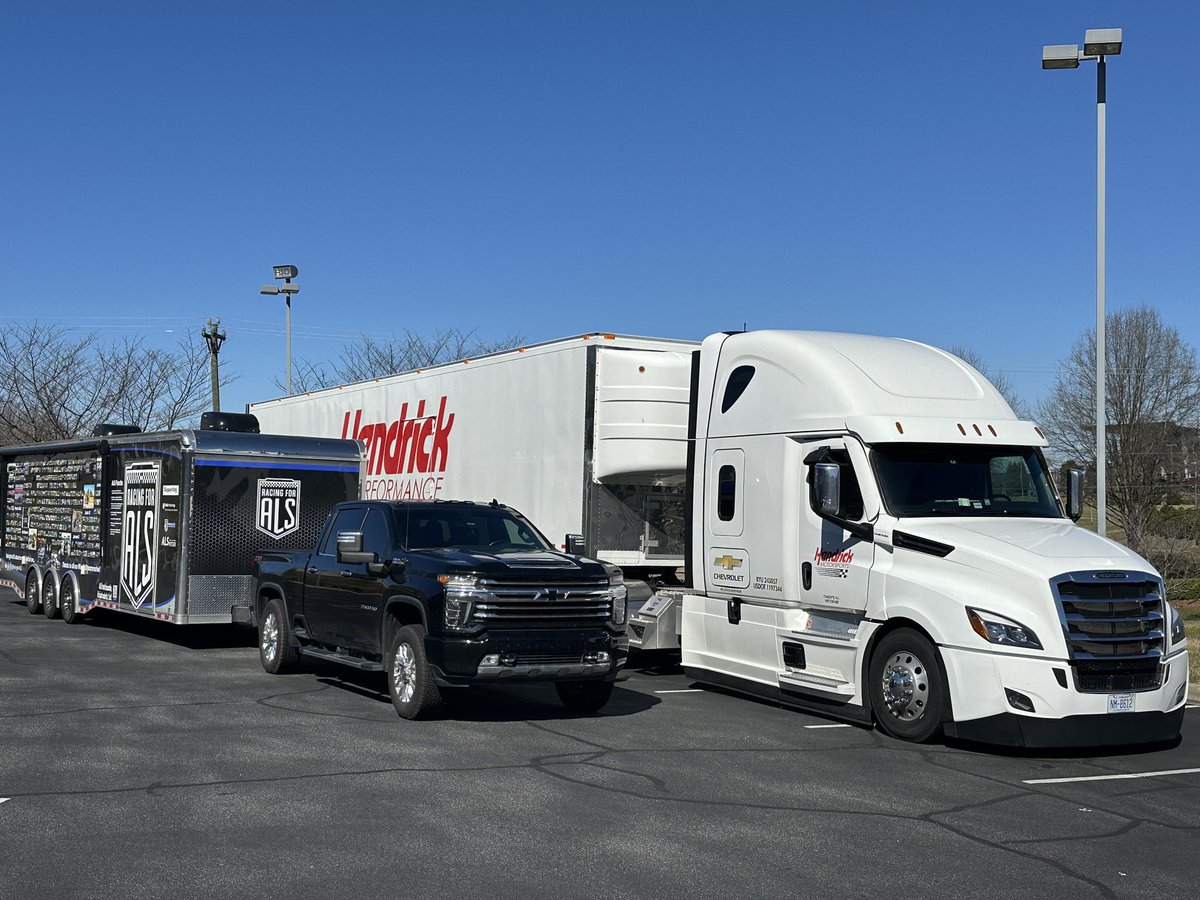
x=964 y=480
x=469 y=528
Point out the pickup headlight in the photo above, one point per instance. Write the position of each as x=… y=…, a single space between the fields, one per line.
x=618 y=593
x=997 y=629
x=461 y=591
x=1177 y=631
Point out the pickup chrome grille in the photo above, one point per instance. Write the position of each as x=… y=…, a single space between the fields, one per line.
x=546 y=601
x=1113 y=622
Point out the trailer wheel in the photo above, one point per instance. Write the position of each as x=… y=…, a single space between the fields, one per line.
x=50 y=596
x=410 y=680
x=33 y=592
x=584 y=696
x=67 y=600
x=276 y=647
x=907 y=686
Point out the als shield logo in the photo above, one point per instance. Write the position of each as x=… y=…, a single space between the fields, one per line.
x=277 y=512
x=139 y=532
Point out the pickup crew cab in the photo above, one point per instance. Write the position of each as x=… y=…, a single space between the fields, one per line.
x=443 y=594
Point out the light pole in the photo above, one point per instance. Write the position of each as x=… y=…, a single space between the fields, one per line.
x=285 y=274
x=1097 y=44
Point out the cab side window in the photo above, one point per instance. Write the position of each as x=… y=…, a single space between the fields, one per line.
x=346 y=520
x=376 y=538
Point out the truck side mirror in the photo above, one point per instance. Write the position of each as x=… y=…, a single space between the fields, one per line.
x=573 y=544
x=350 y=551
x=828 y=482
x=1074 y=494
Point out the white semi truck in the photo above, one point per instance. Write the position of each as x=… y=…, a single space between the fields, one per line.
x=857 y=525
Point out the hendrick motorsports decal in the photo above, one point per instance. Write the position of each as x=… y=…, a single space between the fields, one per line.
x=277 y=510
x=833 y=564
x=729 y=568
x=139 y=528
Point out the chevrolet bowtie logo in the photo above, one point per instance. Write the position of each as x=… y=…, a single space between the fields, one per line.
x=728 y=562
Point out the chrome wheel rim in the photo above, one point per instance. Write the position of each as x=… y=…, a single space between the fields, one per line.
x=270 y=637
x=68 y=600
x=905 y=686
x=48 y=597
x=404 y=673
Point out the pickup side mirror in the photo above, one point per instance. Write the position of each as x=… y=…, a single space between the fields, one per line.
x=1074 y=494
x=827 y=479
x=350 y=551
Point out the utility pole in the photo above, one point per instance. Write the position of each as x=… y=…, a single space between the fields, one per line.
x=215 y=337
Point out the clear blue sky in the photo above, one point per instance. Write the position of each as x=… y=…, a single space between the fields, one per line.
x=550 y=168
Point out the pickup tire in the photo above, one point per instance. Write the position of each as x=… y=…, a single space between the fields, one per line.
x=410 y=680
x=907 y=686
x=584 y=696
x=276 y=647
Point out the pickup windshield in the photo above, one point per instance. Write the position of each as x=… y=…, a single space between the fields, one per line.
x=467 y=528
x=964 y=480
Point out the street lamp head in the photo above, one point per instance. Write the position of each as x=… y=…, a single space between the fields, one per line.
x=1060 y=56
x=269 y=289
x=286 y=272
x=289 y=289
x=1102 y=42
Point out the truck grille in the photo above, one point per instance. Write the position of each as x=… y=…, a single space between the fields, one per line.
x=1113 y=622
x=542 y=601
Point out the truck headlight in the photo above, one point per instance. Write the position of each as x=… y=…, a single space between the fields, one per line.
x=1177 y=631
x=460 y=593
x=617 y=593
x=997 y=629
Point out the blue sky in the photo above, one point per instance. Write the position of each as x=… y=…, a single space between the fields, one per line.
x=551 y=168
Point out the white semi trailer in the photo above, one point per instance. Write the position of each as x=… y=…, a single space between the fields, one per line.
x=863 y=525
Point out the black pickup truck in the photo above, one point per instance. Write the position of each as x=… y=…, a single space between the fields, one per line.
x=443 y=594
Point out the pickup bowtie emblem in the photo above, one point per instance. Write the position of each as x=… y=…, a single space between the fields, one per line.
x=553 y=596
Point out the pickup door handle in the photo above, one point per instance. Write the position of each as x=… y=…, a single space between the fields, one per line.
x=311 y=570
x=346 y=573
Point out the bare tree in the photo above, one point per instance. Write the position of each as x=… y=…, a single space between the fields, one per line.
x=1000 y=381
x=1153 y=399
x=57 y=384
x=374 y=357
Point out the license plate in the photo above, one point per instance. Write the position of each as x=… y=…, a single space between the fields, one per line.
x=1119 y=703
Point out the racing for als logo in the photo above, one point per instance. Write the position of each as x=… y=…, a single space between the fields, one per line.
x=139 y=530
x=277 y=509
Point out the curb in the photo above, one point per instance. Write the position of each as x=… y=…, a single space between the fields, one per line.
x=1194 y=693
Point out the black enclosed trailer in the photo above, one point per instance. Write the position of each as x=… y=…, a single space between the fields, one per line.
x=162 y=525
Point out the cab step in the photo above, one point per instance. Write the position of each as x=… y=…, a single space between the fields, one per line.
x=345 y=659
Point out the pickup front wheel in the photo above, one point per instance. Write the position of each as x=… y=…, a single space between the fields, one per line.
x=276 y=648
x=410 y=681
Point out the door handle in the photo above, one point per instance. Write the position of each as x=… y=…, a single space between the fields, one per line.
x=346 y=573
x=806 y=575
x=311 y=570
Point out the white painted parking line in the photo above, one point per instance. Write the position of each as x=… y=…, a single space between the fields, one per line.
x=4 y=799
x=1192 y=706
x=838 y=725
x=1123 y=775
x=683 y=691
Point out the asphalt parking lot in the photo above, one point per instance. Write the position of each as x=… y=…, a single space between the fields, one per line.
x=145 y=760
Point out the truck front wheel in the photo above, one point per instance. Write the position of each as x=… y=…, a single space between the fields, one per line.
x=276 y=648
x=584 y=696
x=906 y=685
x=410 y=681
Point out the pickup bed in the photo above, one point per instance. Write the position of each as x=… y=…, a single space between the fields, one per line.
x=442 y=595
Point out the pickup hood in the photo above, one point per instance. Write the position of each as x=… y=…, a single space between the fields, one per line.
x=543 y=565
x=1046 y=546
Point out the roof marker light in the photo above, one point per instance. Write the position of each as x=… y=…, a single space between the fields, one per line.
x=992 y=430
x=899 y=428
x=1039 y=432
x=961 y=430
x=977 y=431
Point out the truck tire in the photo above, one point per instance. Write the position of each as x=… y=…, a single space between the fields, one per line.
x=33 y=593
x=276 y=647
x=584 y=696
x=907 y=687
x=67 y=598
x=50 y=596
x=410 y=680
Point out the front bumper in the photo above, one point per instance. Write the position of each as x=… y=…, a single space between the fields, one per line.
x=542 y=655
x=1063 y=716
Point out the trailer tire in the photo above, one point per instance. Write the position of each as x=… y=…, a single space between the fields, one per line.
x=276 y=647
x=584 y=696
x=67 y=596
x=907 y=686
x=50 y=585
x=33 y=592
x=410 y=678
